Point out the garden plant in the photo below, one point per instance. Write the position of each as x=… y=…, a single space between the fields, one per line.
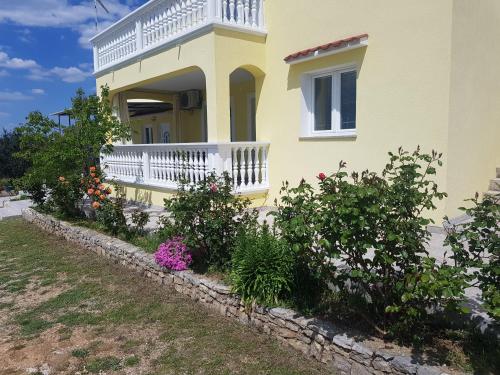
x=208 y=216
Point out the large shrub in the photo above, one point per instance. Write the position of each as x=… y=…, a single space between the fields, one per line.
x=110 y=215
x=53 y=151
x=476 y=245
x=208 y=216
x=366 y=237
x=10 y=165
x=262 y=267
x=65 y=196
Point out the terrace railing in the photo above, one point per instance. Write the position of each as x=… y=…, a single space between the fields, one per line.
x=162 y=22
x=166 y=165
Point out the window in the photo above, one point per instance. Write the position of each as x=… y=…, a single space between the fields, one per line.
x=329 y=103
x=148 y=135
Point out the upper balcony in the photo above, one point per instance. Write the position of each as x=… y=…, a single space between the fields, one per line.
x=161 y=24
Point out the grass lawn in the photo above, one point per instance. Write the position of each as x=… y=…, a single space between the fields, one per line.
x=70 y=311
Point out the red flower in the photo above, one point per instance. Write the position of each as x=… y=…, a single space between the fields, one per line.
x=321 y=176
x=213 y=188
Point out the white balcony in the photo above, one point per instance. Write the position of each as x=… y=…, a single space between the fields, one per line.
x=164 y=23
x=165 y=165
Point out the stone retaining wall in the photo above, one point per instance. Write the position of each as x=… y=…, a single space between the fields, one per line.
x=313 y=337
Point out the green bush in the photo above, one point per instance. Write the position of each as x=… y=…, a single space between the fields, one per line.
x=66 y=195
x=375 y=226
x=110 y=215
x=476 y=245
x=139 y=220
x=35 y=188
x=208 y=216
x=51 y=151
x=262 y=267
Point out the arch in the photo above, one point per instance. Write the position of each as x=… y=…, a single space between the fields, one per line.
x=244 y=89
x=161 y=111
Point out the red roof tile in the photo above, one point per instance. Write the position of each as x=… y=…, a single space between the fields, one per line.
x=332 y=45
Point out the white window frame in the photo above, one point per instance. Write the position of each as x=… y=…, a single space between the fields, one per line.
x=308 y=92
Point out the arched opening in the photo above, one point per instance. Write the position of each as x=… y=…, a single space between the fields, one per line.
x=243 y=106
x=169 y=110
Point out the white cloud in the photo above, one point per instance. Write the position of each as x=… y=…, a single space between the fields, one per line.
x=36 y=72
x=71 y=74
x=4 y=114
x=62 y=13
x=15 y=62
x=38 y=91
x=13 y=96
x=4 y=73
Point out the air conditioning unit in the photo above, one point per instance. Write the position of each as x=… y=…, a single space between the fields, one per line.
x=191 y=99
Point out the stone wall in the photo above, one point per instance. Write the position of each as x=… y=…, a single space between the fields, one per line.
x=313 y=337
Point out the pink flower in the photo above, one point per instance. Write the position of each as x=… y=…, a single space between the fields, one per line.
x=213 y=188
x=321 y=176
x=173 y=254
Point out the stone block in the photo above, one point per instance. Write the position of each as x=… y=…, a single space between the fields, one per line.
x=404 y=365
x=343 y=341
x=341 y=365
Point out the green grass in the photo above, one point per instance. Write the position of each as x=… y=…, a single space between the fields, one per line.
x=80 y=353
x=145 y=325
x=131 y=361
x=98 y=365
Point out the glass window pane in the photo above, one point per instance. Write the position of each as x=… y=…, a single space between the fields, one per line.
x=348 y=100
x=323 y=103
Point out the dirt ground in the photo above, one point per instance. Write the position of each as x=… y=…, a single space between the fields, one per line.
x=64 y=311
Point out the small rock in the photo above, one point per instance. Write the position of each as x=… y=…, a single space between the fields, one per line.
x=404 y=365
x=428 y=370
x=343 y=341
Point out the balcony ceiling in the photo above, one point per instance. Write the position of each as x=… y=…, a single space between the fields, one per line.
x=190 y=81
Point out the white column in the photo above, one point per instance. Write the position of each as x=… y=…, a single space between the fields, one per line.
x=211 y=10
x=146 y=171
x=138 y=35
x=261 y=14
x=96 y=57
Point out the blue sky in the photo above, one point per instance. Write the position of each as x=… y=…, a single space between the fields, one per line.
x=45 y=54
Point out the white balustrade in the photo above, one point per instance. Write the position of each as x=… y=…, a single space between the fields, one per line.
x=160 y=22
x=166 y=165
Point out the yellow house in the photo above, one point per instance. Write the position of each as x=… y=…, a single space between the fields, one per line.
x=274 y=90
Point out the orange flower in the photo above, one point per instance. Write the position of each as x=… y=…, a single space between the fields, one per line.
x=92 y=169
x=101 y=187
x=61 y=179
x=92 y=175
x=96 y=205
x=90 y=191
x=102 y=197
x=97 y=192
x=97 y=180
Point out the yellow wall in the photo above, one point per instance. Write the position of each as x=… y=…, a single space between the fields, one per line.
x=474 y=128
x=402 y=88
x=429 y=76
x=239 y=95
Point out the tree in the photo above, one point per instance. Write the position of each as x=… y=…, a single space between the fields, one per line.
x=69 y=151
x=10 y=166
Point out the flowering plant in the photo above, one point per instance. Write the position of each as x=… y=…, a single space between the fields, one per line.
x=92 y=185
x=65 y=195
x=173 y=254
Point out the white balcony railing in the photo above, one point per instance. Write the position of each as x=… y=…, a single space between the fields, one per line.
x=162 y=22
x=165 y=165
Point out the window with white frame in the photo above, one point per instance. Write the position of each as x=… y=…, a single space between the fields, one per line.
x=329 y=103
